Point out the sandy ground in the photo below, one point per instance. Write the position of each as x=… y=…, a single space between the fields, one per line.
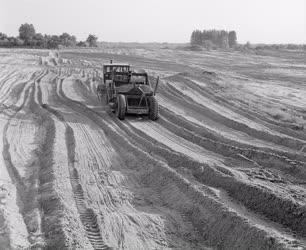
x=223 y=167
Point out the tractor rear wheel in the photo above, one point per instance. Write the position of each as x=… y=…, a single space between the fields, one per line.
x=153 y=108
x=121 y=107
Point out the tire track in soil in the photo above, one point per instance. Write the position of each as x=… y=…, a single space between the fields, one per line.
x=87 y=215
x=278 y=126
x=14 y=177
x=274 y=156
x=215 y=94
x=288 y=213
x=27 y=201
x=160 y=242
x=285 y=162
x=7 y=78
x=51 y=205
x=79 y=107
x=171 y=92
x=198 y=129
x=18 y=89
x=121 y=241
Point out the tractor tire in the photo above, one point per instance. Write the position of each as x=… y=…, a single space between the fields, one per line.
x=106 y=98
x=121 y=107
x=153 y=108
x=101 y=92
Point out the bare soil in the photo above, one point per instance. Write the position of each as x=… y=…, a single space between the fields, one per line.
x=223 y=168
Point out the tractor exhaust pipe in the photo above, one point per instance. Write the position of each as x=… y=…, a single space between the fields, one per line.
x=156 y=85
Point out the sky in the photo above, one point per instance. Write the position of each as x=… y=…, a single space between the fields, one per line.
x=257 y=21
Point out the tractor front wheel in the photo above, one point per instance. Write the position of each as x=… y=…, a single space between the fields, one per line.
x=106 y=98
x=101 y=91
x=153 y=108
x=121 y=107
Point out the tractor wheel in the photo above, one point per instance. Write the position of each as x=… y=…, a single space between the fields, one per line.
x=101 y=92
x=106 y=98
x=153 y=108
x=120 y=107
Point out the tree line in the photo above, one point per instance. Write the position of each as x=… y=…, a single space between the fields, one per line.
x=214 y=38
x=29 y=38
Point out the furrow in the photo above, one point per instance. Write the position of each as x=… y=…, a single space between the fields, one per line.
x=87 y=215
x=163 y=171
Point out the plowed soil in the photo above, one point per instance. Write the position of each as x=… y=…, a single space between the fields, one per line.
x=224 y=167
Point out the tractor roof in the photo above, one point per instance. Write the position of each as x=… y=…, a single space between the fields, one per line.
x=116 y=64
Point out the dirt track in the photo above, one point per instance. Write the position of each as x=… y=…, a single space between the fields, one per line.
x=223 y=167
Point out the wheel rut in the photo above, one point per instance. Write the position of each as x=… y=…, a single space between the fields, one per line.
x=244 y=192
x=171 y=158
x=26 y=187
x=87 y=215
x=173 y=94
x=284 y=161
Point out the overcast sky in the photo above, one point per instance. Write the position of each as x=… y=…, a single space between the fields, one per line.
x=267 y=21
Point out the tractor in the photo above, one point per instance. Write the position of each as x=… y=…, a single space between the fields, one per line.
x=128 y=92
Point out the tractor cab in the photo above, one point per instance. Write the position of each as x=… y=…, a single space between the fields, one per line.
x=111 y=68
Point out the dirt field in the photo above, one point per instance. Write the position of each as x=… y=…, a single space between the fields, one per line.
x=223 y=168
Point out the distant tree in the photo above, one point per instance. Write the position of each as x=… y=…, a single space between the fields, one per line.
x=248 y=45
x=47 y=38
x=72 y=41
x=18 y=42
x=292 y=46
x=212 y=38
x=232 y=39
x=38 y=40
x=64 y=39
x=14 y=41
x=26 y=33
x=205 y=35
x=223 y=39
x=29 y=38
x=53 y=42
x=196 y=37
x=275 y=46
x=208 y=44
x=2 y=36
x=81 y=44
x=193 y=38
x=67 y=40
x=4 y=42
x=92 y=40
